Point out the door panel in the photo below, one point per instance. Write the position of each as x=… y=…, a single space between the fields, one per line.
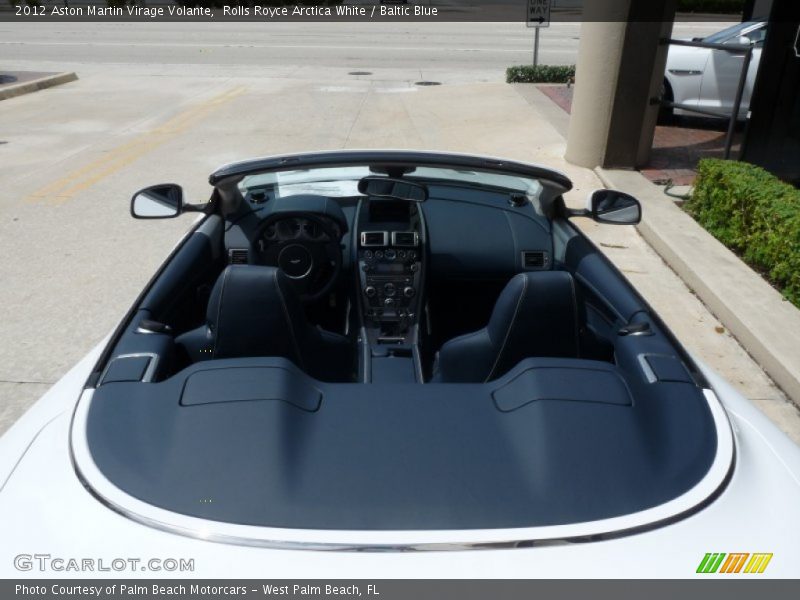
x=721 y=76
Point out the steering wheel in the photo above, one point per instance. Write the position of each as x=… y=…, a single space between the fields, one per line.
x=312 y=266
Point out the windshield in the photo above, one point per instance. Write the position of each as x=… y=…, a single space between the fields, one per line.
x=340 y=182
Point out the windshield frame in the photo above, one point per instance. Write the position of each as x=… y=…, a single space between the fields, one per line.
x=399 y=159
x=553 y=183
x=342 y=182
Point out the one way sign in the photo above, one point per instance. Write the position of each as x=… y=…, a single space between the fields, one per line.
x=539 y=13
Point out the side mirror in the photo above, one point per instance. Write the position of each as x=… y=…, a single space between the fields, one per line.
x=743 y=40
x=162 y=201
x=616 y=208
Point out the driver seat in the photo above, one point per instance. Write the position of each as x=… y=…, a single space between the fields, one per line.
x=253 y=311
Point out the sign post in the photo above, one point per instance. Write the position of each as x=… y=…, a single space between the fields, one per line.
x=538 y=17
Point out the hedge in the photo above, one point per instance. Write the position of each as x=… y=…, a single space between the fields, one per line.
x=753 y=213
x=711 y=6
x=540 y=74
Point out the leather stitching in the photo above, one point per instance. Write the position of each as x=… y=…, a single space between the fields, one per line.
x=440 y=362
x=508 y=331
x=288 y=320
x=217 y=333
x=575 y=317
x=462 y=338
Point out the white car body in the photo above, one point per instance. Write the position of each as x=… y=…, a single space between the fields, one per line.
x=61 y=517
x=47 y=512
x=708 y=78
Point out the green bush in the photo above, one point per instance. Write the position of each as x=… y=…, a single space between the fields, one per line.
x=728 y=7
x=753 y=213
x=540 y=74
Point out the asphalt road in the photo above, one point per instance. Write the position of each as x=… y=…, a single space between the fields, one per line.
x=158 y=102
x=449 y=51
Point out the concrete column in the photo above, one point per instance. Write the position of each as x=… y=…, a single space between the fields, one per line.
x=620 y=67
x=757 y=9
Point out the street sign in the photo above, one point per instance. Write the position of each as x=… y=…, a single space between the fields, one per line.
x=539 y=13
x=538 y=17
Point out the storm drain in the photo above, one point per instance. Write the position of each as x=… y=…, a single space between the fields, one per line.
x=360 y=73
x=428 y=83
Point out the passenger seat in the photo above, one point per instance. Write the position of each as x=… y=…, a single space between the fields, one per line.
x=536 y=314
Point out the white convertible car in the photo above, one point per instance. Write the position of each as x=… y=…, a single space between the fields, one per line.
x=708 y=78
x=394 y=364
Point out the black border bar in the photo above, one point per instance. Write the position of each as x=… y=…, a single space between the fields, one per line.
x=270 y=11
x=708 y=587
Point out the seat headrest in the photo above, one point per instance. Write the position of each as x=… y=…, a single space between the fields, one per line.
x=535 y=315
x=252 y=312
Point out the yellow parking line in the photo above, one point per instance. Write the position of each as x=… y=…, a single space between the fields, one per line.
x=66 y=187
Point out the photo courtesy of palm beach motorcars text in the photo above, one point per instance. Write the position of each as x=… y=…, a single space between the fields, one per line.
x=399 y=299
x=160 y=590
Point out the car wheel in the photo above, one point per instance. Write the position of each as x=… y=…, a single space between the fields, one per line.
x=666 y=113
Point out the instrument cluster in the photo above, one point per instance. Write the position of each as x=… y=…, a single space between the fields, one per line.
x=298 y=228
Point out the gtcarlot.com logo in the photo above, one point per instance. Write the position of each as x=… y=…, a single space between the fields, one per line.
x=47 y=562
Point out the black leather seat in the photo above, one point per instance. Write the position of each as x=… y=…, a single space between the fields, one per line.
x=537 y=314
x=253 y=311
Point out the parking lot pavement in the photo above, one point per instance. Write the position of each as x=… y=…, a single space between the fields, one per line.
x=72 y=260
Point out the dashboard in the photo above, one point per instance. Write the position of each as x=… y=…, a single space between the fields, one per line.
x=470 y=233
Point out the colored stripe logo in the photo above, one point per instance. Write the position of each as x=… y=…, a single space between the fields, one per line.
x=735 y=562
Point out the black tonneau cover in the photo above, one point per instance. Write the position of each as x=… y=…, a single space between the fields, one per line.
x=256 y=441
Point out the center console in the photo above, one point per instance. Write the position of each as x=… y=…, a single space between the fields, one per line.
x=391 y=259
x=391 y=273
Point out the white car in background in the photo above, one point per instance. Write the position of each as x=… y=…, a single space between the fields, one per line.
x=708 y=78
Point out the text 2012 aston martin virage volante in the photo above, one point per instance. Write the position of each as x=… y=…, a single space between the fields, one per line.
x=387 y=350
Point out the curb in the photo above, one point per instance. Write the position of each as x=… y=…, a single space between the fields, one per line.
x=767 y=325
x=36 y=84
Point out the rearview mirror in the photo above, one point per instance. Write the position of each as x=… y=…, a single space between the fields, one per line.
x=162 y=201
x=395 y=189
x=611 y=206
